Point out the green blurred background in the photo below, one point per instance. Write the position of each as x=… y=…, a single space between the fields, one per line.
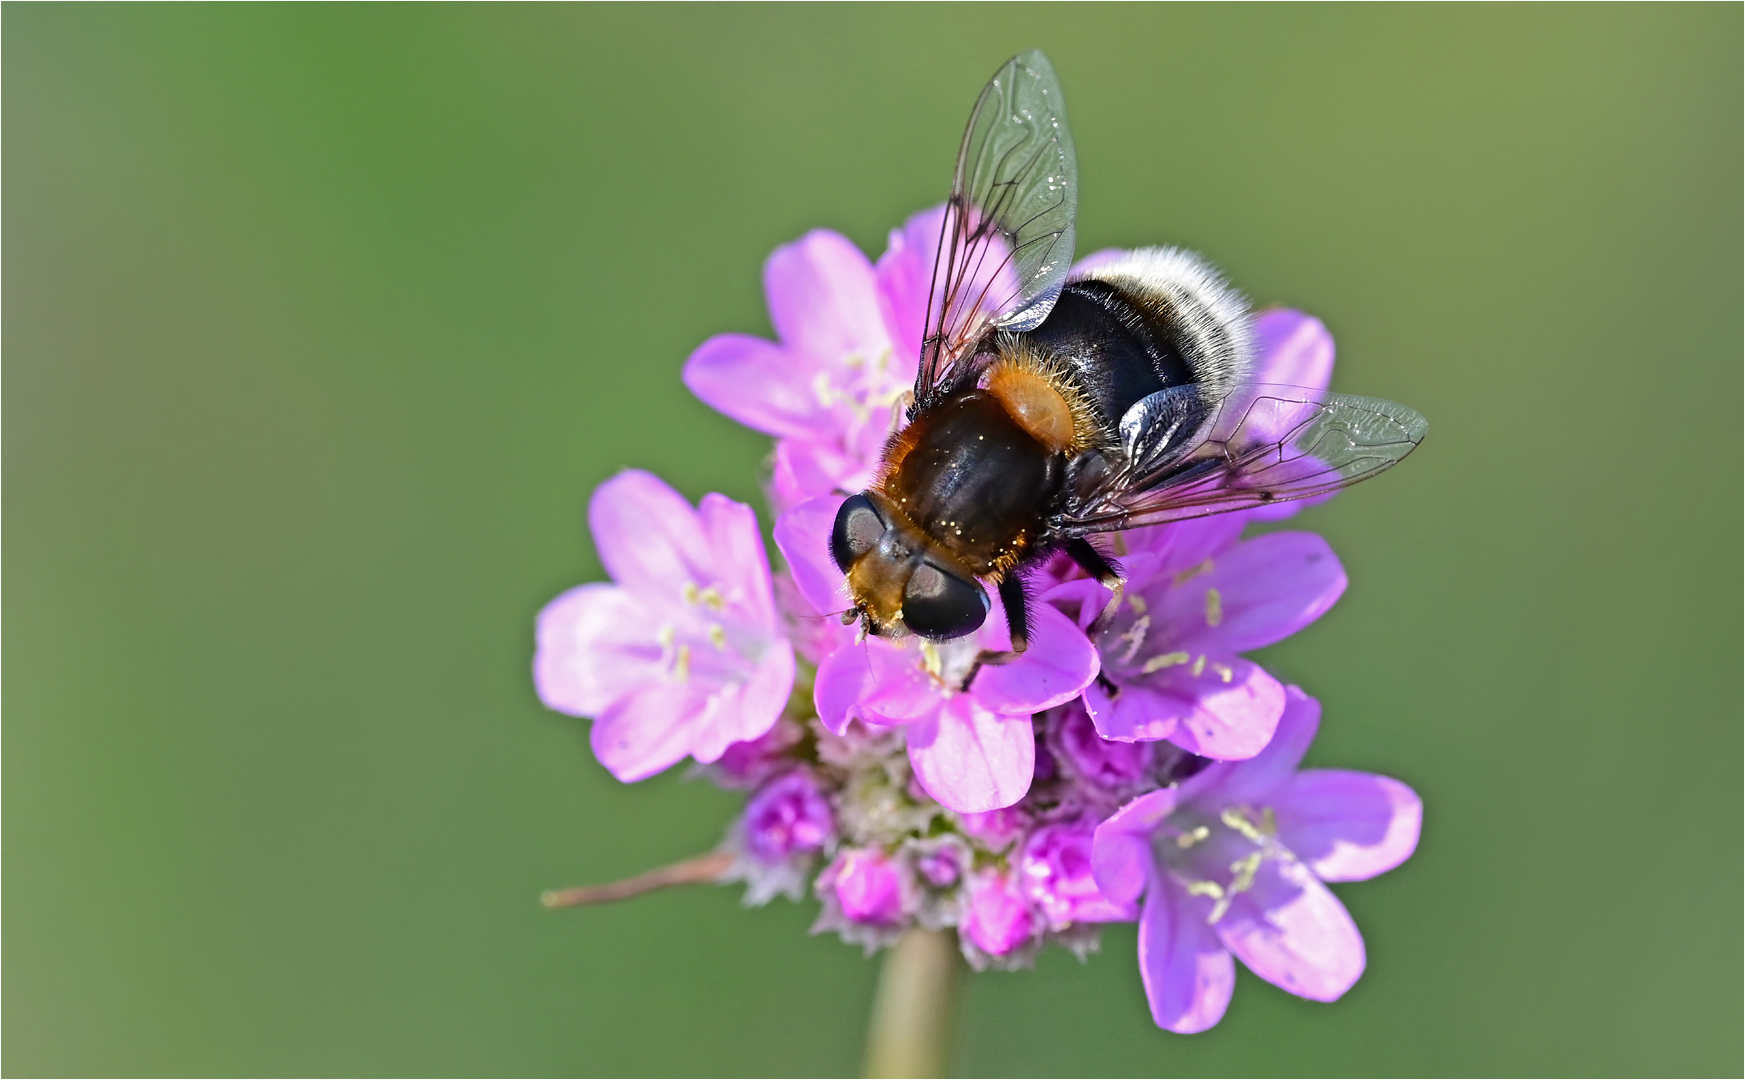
x=324 y=321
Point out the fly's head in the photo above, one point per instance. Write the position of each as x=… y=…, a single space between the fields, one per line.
x=901 y=583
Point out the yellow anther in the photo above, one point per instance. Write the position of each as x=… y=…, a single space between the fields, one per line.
x=1268 y=821
x=1137 y=602
x=1223 y=671
x=1199 y=665
x=718 y=635
x=665 y=636
x=1237 y=820
x=682 y=664
x=1193 y=572
x=1135 y=636
x=1168 y=659
x=930 y=659
x=1243 y=871
x=823 y=390
x=1188 y=840
x=1206 y=888
x=711 y=598
x=1214 y=607
x=689 y=592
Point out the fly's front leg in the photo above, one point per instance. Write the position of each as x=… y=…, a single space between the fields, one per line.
x=1014 y=600
x=1106 y=573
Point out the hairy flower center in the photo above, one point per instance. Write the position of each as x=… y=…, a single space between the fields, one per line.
x=864 y=386
x=948 y=663
x=1134 y=645
x=702 y=639
x=1219 y=858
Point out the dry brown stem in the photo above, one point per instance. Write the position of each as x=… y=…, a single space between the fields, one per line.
x=703 y=868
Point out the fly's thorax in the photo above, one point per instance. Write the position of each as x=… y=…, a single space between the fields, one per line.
x=1042 y=397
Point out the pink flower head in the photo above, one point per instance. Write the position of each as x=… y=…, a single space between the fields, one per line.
x=1233 y=860
x=998 y=921
x=789 y=816
x=850 y=339
x=1196 y=598
x=682 y=654
x=972 y=749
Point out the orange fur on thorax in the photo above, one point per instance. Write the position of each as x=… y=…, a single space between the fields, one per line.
x=1040 y=399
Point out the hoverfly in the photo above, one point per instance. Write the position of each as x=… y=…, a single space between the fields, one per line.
x=1049 y=408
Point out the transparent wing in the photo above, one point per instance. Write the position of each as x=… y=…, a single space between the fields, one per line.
x=1007 y=241
x=1181 y=457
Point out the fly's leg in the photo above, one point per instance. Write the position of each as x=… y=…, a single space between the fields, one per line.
x=1014 y=600
x=1106 y=573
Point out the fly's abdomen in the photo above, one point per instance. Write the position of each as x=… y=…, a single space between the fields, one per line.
x=974 y=480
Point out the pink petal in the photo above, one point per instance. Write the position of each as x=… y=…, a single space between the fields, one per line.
x=1081 y=595
x=742 y=567
x=1059 y=664
x=594 y=646
x=761 y=385
x=740 y=712
x=1090 y=263
x=805 y=469
x=1259 y=778
x=903 y=691
x=1180 y=545
x=1294 y=933
x=844 y=680
x=1188 y=976
x=823 y=299
x=648 y=730
x=1294 y=349
x=1235 y=720
x=1121 y=849
x=971 y=759
x=1267 y=589
x=1348 y=826
x=905 y=277
x=1136 y=714
x=803 y=535
x=648 y=536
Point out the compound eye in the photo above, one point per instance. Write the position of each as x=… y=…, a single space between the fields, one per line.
x=858 y=528
x=939 y=604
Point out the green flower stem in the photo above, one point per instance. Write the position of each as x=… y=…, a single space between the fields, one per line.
x=914 y=1014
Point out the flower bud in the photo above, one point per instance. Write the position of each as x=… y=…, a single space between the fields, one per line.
x=788 y=817
x=1096 y=760
x=869 y=887
x=998 y=920
x=1056 y=872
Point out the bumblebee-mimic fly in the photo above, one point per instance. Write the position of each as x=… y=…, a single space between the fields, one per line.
x=1050 y=407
